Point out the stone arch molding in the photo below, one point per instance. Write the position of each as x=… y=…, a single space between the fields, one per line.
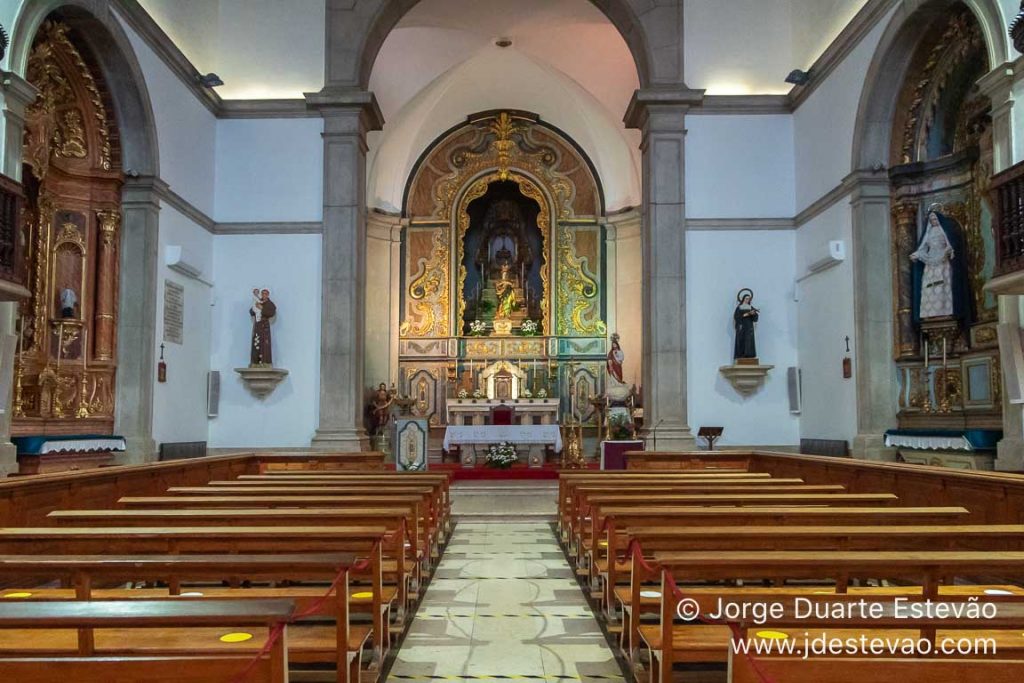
x=870 y=202
x=98 y=27
x=356 y=31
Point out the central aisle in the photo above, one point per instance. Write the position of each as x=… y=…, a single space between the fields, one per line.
x=504 y=603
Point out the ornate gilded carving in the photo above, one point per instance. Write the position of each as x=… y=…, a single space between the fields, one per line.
x=577 y=291
x=500 y=143
x=428 y=291
x=529 y=189
x=56 y=67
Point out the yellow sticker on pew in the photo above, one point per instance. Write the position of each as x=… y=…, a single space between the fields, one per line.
x=17 y=595
x=772 y=635
x=235 y=637
x=362 y=595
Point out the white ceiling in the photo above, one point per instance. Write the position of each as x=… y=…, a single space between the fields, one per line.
x=274 y=48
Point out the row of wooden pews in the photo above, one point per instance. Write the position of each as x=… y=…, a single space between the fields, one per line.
x=286 y=570
x=662 y=551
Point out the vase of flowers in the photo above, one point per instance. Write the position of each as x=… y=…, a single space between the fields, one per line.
x=477 y=328
x=529 y=328
x=478 y=393
x=620 y=427
x=501 y=456
x=463 y=393
x=542 y=393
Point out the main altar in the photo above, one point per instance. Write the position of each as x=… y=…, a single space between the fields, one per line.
x=506 y=258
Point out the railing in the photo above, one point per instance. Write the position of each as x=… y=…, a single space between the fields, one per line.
x=11 y=198
x=1008 y=221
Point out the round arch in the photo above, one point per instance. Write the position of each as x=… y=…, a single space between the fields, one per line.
x=109 y=44
x=885 y=76
x=871 y=214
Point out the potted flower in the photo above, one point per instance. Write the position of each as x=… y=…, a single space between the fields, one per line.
x=463 y=393
x=620 y=427
x=477 y=328
x=501 y=456
x=478 y=393
x=529 y=328
x=542 y=393
x=527 y=393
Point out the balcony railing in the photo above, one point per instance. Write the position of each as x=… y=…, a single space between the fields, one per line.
x=12 y=268
x=1008 y=203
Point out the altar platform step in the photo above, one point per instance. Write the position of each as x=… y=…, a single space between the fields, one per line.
x=481 y=473
x=504 y=501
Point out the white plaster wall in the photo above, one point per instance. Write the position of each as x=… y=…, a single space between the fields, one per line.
x=628 y=297
x=816 y=23
x=492 y=79
x=192 y=25
x=739 y=167
x=269 y=170
x=826 y=318
x=186 y=130
x=289 y=266
x=738 y=47
x=179 y=404
x=824 y=124
x=718 y=265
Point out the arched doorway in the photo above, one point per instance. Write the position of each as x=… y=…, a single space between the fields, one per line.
x=927 y=136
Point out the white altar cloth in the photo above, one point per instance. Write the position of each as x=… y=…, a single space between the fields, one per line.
x=514 y=434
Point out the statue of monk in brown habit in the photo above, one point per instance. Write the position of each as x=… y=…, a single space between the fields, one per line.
x=262 y=312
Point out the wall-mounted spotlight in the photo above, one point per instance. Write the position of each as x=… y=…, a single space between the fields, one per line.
x=798 y=77
x=210 y=80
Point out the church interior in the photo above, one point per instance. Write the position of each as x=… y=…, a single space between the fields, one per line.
x=420 y=340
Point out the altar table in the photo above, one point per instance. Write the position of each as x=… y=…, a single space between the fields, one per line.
x=455 y=435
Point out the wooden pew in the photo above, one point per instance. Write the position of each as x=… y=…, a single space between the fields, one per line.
x=654 y=540
x=84 y=664
x=951 y=667
x=927 y=569
x=360 y=541
x=341 y=645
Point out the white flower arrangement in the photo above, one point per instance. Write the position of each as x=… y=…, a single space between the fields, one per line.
x=477 y=328
x=542 y=393
x=463 y=393
x=502 y=455
x=527 y=393
x=529 y=328
x=477 y=393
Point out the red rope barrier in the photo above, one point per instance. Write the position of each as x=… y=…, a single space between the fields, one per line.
x=636 y=551
x=278 y=630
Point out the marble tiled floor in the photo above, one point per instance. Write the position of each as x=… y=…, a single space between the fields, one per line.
x=503 y=602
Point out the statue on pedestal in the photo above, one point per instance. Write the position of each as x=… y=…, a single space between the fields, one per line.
x=505 y=288
x=262 y=313
x=744 y=319
x=381 y=408
x=940 y=281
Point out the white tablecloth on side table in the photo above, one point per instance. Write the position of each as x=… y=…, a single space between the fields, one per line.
x=455 y=435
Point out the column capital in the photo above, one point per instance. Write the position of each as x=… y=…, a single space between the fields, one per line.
x=18 y=93
x=143 y=191
x=648 y=101
x=335 y=102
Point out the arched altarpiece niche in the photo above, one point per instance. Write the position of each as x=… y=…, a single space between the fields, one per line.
x=491 y=157
x=72 y=176
x=878 y=144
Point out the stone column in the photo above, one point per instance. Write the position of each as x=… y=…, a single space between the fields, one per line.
x=106 y=265
x=15 y=95
x=873 y=322
x=383 y=233
x=660 y=115
x=348 y=115
x=136 y=324
x=1010 y=449
x=611 y=279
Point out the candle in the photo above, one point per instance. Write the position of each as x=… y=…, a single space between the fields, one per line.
x=943 y=352
x=21 y=337
x=926 y=353
x=85 y=345
x=60 y=343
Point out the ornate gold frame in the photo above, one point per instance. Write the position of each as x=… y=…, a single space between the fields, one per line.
x=476 y=189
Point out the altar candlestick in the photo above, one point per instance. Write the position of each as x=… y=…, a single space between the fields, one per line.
x=926 y=353
x=60 y=343
x=21 y=337
x=85 y=345
x=522 y=272
x=943 y=352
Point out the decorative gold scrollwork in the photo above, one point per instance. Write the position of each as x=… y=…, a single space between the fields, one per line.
x=577 y=291
x=429 y=291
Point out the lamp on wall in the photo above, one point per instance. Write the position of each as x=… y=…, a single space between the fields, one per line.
x=210 y=80
x=798 y=77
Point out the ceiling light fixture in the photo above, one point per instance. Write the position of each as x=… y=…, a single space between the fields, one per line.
x=503 y=42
